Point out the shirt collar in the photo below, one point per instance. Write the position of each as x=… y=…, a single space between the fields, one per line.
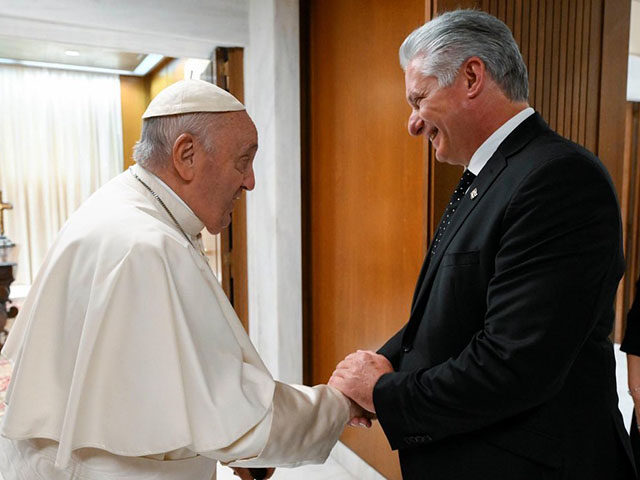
x=185 y=217
x=491 y=144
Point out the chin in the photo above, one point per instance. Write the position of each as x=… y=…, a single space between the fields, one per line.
x=220 y=225
x=451 y=161
x=442 y=158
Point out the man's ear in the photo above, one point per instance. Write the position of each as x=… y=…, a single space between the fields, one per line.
x=182 y=156
x=474 y=76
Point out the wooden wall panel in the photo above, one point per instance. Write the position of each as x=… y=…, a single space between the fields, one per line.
x=364 y=190
x=233 y=239
x=630 y=201
x=593 y=80
x=568 y=86
x=134 y=97
x=570 y=77
x=612 y=104
x=561 y=43
x=613 y=85
x=170 y=70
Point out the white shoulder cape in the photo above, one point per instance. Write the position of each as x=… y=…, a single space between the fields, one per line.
x=127 y=342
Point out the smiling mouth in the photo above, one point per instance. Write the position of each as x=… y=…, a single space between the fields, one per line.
x=432 y=134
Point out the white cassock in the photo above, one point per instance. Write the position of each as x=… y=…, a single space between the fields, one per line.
x=130 y=363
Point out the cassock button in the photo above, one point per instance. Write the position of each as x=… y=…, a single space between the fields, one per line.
x=406 y=348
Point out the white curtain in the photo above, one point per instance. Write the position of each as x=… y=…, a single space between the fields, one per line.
x=60 y=140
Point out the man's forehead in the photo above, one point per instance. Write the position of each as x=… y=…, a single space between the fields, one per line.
x=247 y=126
x=412 y=74
x=240 y=126
x=416 y=64
x=415 y=80
x=235 y=120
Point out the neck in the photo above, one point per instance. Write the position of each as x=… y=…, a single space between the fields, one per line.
x=170 y=178
x=494 y=113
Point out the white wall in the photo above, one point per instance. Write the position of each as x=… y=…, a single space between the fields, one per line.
x=633 y=79
x=272 y=95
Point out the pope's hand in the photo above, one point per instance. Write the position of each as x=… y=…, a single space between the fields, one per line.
x=357 y=374
x=245 y=474
x=358 y=416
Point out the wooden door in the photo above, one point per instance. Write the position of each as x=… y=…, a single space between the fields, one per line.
x=233 y=239
x=363 y=191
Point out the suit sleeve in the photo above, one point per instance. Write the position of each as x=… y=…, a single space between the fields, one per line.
x=556 y=270
x=393 y=348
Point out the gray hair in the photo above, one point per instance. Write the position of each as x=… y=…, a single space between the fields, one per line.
x=448 y=40
x=154 y=148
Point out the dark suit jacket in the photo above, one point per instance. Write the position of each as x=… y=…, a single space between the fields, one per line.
x=505 y=369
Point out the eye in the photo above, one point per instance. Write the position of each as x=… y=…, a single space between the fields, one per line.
x=242 y=164
x=415 y=102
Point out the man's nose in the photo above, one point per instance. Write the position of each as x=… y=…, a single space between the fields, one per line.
x=249 y=180
x=416 y=124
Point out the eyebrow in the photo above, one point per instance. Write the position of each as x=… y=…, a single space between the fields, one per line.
x=250 y=148
x=412 y=98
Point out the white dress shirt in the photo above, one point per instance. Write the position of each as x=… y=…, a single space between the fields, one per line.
x=491 y=144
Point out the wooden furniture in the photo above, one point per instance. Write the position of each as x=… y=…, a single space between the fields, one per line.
x=8 y=264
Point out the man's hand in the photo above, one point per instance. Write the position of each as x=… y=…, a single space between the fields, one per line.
x=357 y=374
x=358 y=416
x=245 y=474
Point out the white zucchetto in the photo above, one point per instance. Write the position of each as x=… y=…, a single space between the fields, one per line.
x=191 y=96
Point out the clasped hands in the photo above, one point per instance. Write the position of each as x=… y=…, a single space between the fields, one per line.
x=355 y=377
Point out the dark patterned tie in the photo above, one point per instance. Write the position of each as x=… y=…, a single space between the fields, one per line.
x=458 y=193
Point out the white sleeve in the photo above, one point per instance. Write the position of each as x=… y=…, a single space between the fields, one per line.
x=301 y=427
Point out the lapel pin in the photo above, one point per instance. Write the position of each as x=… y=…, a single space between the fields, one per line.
x=474 y=193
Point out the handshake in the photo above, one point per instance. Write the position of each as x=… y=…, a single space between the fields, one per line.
x=355 y=377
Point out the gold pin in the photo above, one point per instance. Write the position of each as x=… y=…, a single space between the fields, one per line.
x=474 y=193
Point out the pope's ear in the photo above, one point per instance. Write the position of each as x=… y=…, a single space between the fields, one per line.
x=182 y=156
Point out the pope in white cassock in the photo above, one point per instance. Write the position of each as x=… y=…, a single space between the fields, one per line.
x=129 y=362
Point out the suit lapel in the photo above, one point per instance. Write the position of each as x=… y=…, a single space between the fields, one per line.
x=518 y=139
x=480 y=185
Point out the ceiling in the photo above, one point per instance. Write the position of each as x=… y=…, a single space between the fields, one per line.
x=190 y=28
x=68 y=54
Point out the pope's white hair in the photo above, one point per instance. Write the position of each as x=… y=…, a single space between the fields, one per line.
x=154 y=148
x=446 y=42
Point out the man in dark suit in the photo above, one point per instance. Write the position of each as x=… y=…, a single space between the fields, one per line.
x=504 y=369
